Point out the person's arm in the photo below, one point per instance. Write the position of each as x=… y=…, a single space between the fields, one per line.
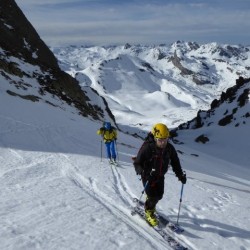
x=139 y=161
x=100 y=131
x=176 y=165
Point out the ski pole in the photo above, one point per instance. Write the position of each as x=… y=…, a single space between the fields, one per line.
x=101 y=150
x=117 y=151
x=180 y=204
x=138 y=202
x=133 y=212
x=147 y=182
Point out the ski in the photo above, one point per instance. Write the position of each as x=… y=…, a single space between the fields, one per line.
x=163 y=221
x=113 y=163
x=160 y=230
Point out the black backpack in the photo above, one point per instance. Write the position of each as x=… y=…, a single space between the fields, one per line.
x=148 y=139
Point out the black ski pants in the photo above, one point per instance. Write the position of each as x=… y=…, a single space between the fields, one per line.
x=154 y=191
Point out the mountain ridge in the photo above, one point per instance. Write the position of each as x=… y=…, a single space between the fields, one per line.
x=231 y=109
x=191 y=74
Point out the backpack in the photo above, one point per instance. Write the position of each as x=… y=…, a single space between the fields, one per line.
x=148 y=139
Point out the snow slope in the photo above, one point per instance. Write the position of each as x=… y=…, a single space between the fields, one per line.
x=57 y=193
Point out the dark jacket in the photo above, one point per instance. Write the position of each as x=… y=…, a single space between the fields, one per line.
x=151 y=157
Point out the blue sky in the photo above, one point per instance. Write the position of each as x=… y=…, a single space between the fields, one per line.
x=112 y=22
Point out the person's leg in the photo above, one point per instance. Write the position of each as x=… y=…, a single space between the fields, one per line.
x=107 y=144
x=154 y=193
x=149 y=204
x=113 y=153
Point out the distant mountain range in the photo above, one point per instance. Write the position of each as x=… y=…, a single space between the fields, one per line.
x=182 y=77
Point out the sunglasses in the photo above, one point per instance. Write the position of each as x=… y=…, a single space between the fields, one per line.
x=161 y=140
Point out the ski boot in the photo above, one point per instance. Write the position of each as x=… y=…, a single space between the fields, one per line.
x=113 y=162
x=150 y=217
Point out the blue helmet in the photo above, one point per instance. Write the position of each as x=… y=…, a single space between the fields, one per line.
x=107 y=125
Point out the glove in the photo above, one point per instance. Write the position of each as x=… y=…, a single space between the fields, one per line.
x=183 y=178
x=138 y=169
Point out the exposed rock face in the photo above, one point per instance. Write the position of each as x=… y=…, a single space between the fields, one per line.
x=198 y=78
x=233 y=107
x=238 y=95
x=20 y=40
x=177 y=63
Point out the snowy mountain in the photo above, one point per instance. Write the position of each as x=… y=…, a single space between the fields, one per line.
x=180 y=79
x=228 y=118
x=58 y=190
x=231 y=109
x=30 y=71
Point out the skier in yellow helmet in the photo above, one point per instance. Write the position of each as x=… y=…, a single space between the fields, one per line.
x=152 y=163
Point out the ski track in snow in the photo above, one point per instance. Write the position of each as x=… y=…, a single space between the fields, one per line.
x=35 y=171
x=121 y=213
x=32 y=170
x=89 y=186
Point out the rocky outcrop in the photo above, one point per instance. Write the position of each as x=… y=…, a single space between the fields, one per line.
x=20 y=40
x=233 y=105
x=198 y=78
x=177 y=63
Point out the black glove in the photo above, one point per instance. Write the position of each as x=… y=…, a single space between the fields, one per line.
x=183 y=178
x=138 y=169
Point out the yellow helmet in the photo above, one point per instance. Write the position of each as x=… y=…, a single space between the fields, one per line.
x=160 y=131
